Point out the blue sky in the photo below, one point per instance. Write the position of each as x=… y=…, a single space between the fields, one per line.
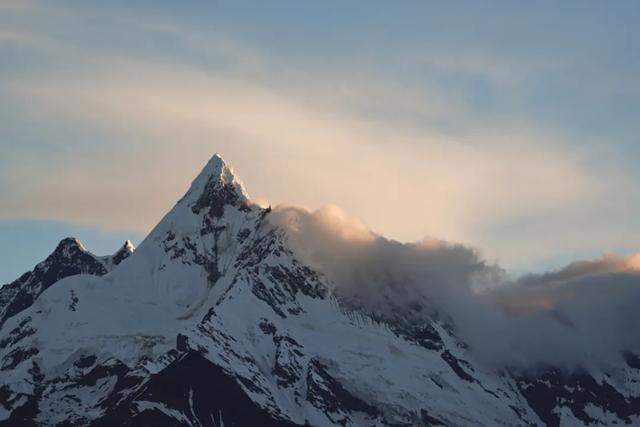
x=509 y=126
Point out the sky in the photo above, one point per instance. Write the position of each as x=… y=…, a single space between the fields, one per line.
x=508 y=126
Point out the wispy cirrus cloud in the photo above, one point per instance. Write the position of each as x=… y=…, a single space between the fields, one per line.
x=446 y=183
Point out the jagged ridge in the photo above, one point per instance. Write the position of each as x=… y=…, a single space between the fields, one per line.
x=68 y=259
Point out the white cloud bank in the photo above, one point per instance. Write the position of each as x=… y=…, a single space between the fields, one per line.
x=583 y=314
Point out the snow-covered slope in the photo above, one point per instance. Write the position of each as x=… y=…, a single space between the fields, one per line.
x=214 y=320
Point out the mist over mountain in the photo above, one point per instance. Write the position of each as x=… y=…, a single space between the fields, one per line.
x=229 y=313
x=579 y=314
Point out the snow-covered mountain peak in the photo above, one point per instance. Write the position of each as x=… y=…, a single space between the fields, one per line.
x=127 y=247
x=195 y=245
x=120 y=255
x=216 y=319
x=69 y=245
x=69 y=258
x=215 y=187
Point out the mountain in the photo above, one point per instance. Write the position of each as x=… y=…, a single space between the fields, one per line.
x=215 y=320
x=68 y=259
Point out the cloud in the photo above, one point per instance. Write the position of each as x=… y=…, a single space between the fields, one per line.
x=580 y=313
x=548 y=291
x=500 y=70
x=609 y=263
x=18 y=7
x=575 y=316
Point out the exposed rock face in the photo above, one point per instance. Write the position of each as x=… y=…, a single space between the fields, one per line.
x=214 y=321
